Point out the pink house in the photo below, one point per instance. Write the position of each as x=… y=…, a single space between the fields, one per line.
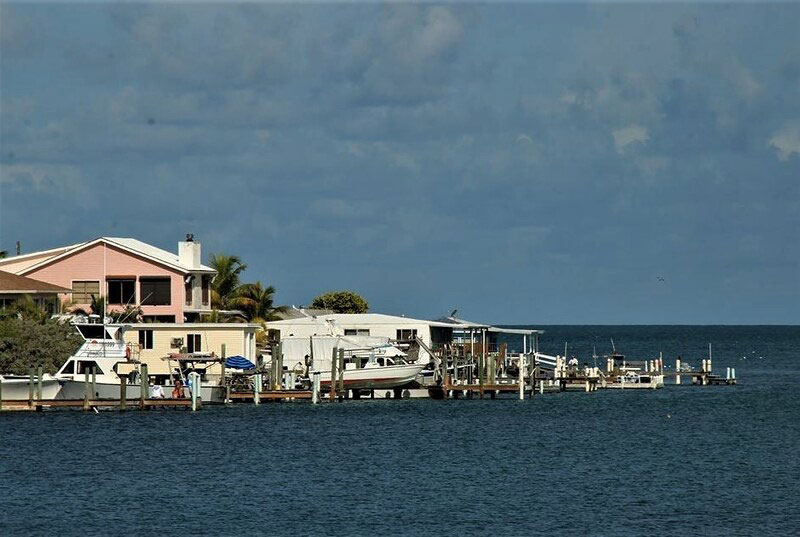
x=168 y=287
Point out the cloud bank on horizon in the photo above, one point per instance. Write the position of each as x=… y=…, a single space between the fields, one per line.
x=522 y=163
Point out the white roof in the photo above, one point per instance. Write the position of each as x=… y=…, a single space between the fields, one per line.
x=131 y=245
x=359 y=318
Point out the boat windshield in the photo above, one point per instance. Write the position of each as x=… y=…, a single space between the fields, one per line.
x=68 y=368
x=93 y=331
x=85 y=367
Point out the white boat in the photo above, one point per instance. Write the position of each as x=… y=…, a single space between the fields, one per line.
x=96 y=365
x=17 y=387
x=374 y=375
x=370 y=362
x=626 y=375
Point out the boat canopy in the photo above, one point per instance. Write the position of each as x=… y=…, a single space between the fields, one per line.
x=239 y=362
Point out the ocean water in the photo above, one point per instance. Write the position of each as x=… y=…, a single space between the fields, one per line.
x=685 y=460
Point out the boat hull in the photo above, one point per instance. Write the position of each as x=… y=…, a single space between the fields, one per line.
x=18 y=389
x=372 y=378
x=76 y=389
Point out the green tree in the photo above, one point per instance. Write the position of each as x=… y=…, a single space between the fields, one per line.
x=341 y=302
x=25 y=343
x=224 y=285
x=27 y=308
x=256 y=302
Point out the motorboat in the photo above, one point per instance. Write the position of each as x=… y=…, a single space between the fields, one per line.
x=17 y=387
x=374 y=373
x=99 y=363
x=369 y=362
x=625 y=374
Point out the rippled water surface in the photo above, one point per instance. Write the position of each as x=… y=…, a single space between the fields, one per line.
x=678 y=461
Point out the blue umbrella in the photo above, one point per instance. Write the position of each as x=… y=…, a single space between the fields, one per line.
x=239 y=362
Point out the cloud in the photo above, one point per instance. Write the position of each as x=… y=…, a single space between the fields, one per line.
x=787 y=141
x=625 y=136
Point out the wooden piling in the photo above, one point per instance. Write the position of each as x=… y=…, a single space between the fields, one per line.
x=678 y=370
x=39 y=384
x=341 y=373
x=521 y=376
x=334 y=362
x=222 y=381
x=1 y=396
x=256 y=388
x=123 y=392
x=143 y=385
x=194 y=377
x=85 y=390
x=30 y=386
x=315 y=377
x=94 y=382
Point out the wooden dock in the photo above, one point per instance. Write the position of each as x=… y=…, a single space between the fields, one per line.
x=88 y=404
x=269 y=395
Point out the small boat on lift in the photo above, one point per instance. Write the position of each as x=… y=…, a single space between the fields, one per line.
x=369 y=362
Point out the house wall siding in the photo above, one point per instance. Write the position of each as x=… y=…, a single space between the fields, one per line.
x=236 y=339
x=102 y=261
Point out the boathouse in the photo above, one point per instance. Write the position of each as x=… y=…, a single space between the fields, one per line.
x=433 y=334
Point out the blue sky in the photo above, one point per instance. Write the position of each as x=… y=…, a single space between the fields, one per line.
x=522 y=163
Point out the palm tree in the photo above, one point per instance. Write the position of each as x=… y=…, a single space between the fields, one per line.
x=256 y=302
x=27 y=308
x=225 y=283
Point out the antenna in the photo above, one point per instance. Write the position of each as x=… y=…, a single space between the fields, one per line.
x=613 y=348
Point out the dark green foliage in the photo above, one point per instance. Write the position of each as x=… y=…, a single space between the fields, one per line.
x=341 y=302
x=26 y=343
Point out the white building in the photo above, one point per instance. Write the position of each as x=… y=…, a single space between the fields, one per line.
x=432 y=333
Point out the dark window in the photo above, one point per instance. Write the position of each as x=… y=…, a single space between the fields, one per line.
x=354 y=332
x=158 y=318
x=206 y=285
x=85 y=367
x=187 y=289
x=155 y=291
x=193 y=343
x=406 y=335
x=145 y=339
x=69 y=368
x=93 y=331
x=83 y=291
x=122 y=291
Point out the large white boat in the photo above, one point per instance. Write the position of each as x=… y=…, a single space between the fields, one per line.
x=97 y=363
x=369 y=362
x=17 y=387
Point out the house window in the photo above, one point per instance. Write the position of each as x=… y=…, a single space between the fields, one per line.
x=82 y=291
x=406 y=335
x=193 y=343
x=187 y=289
x=155 y=291
x=122 y=291
x=356 y=332
x=145 y=339
x=206 y=286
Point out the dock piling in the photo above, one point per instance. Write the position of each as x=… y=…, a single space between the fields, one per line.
x=315 y=376
x=144 y=385
x=30 y=387
x=340 y=387
x=521 y=376
x=39 y=384
x=256 y=388
x=85 y=390
x=194 y=377
x=334 y=361
x=123 y=392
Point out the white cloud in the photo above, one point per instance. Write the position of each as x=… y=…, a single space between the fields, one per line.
x=787 y=141
x=626 y=136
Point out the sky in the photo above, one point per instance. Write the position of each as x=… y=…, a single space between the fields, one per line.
x=522 y=163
